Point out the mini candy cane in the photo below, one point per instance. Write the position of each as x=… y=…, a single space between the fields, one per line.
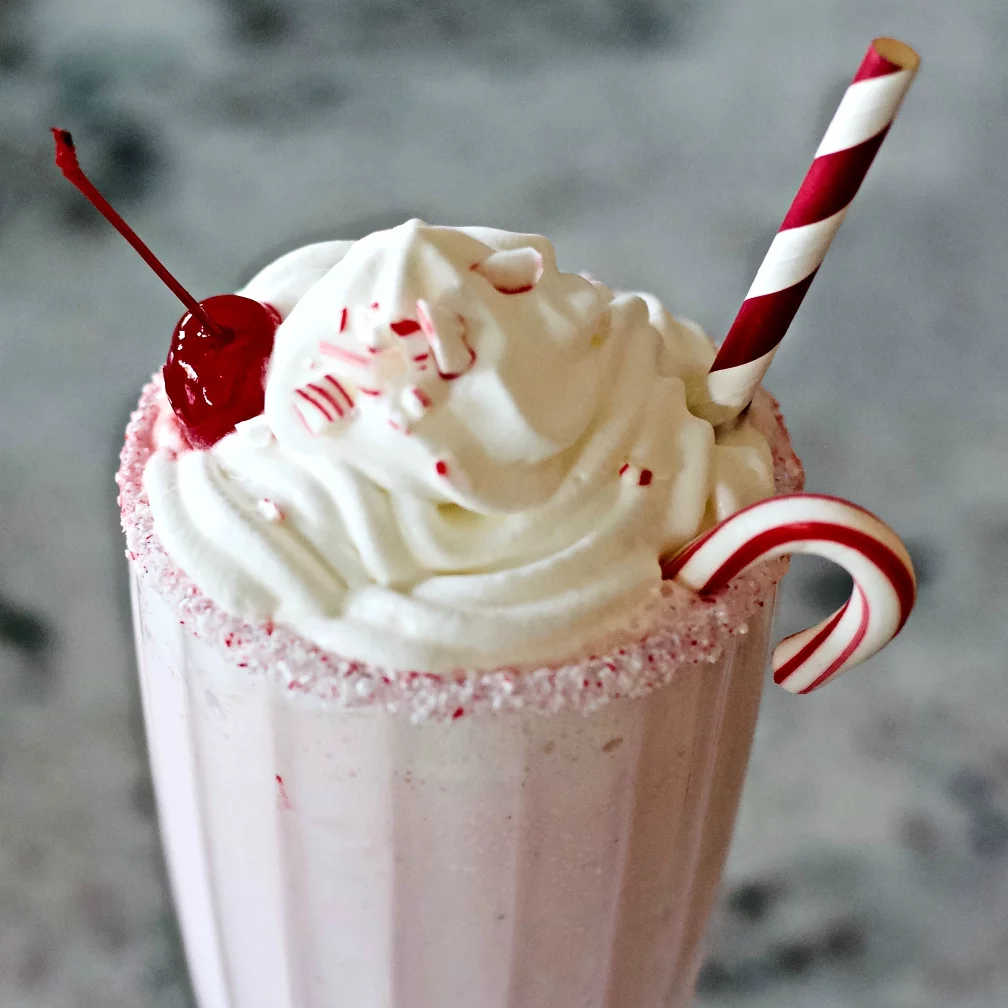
x=884 y=583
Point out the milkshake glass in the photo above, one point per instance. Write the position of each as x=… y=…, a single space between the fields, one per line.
x=552 y=837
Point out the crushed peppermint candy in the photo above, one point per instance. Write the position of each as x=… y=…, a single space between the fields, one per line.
x=270 y=510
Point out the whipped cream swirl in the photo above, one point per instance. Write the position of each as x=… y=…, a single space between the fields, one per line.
x=467 y=457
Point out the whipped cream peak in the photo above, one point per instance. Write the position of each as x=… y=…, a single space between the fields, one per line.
x=467 y=457
x=457 y=363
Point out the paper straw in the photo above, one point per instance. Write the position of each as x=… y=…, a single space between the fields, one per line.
x=847 y=150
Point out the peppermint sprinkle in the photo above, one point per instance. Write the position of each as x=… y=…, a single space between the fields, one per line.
x=269 y=510
x=645 y=478
x=405 y=327
x=441 y=467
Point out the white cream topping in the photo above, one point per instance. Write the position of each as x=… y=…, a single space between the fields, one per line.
x=467 y=458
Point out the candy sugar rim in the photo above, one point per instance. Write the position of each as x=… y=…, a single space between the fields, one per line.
x=676 y=628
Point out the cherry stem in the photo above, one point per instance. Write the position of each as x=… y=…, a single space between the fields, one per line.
x=66 y=161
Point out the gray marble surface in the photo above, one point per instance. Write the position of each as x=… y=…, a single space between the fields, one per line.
x=658 y=142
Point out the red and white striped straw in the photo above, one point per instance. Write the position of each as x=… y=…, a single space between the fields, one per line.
x=851 y=142
x=884 y=583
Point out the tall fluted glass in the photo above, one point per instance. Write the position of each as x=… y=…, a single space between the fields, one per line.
x=323 y=856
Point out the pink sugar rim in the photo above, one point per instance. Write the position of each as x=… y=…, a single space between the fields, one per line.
x=673 y=630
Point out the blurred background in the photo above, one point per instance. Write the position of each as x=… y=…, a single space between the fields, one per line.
x=658 y=143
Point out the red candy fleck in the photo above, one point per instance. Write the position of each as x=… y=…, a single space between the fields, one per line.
x=459 y=712
x=405 y=327
x=344 y=315
x=284 y=797
x=441 y=467
x=645 y=477
x=624 y=467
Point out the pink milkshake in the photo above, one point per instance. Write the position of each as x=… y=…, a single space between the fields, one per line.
x=426 y=726
x=325 y=856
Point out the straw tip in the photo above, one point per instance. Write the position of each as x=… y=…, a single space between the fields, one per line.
x=896 y=52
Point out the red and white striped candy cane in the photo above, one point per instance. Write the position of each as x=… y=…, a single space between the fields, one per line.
x=841 y=163
x=884 y=583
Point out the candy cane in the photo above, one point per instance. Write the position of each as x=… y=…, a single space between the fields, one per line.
x=884 y=583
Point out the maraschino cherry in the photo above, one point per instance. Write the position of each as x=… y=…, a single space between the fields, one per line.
x=216 y=368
